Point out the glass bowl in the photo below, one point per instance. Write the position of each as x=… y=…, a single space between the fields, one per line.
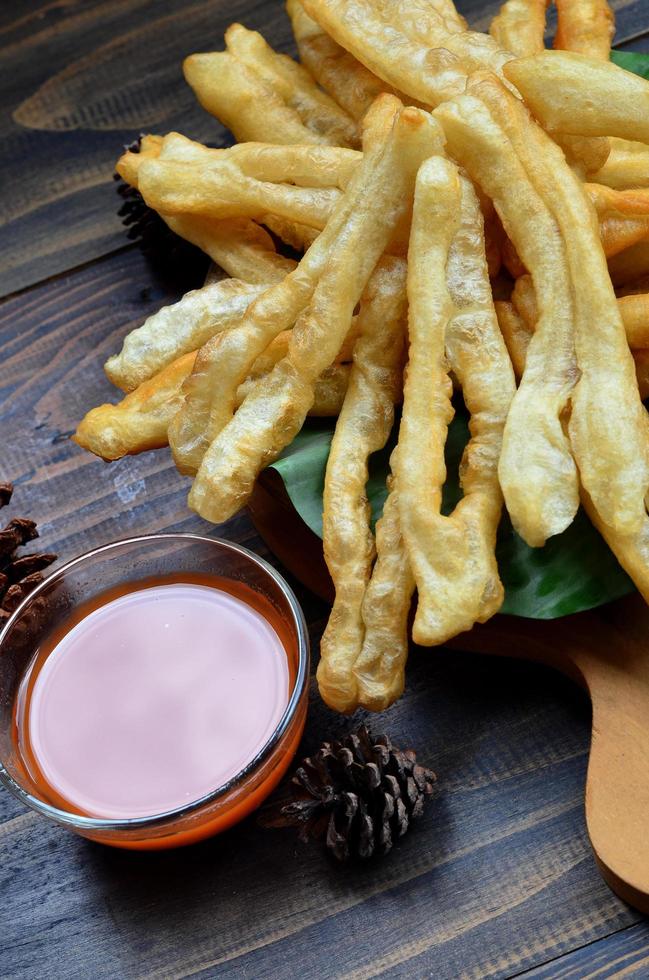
x=130 y=561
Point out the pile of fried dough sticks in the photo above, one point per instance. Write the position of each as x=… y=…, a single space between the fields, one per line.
x=421 y=168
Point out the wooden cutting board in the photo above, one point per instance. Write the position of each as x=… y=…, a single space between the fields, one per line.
x=605 y=650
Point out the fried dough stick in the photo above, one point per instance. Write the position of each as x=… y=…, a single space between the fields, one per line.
x=262 y=95
x=427 y=71
x=634 y=310
x=178 y=329
x=263 y=426
x=306 y=166
x=238 y=245
x=571 y=93
x=630 y=265
x=380 y=667
x=218 y=189
x=224 y=364
x=324 y=166
x=247 y=105
x=349 y=82
x=517 y=322
x=537 y=471
x=363 y=427
x=452 y=325
x=607 y=426
x=584 y=26
x=626 y=166
x=519 y=26
x=140 y=420
x=293 y=83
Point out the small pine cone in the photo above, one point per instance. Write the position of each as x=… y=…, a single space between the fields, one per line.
x=19 y=574
x=169 y=254
x=359 y=794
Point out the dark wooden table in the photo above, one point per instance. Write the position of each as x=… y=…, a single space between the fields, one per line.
x=497 y=880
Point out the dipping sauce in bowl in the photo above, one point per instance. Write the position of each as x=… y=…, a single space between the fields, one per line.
x=158 y=710
x=147 y=700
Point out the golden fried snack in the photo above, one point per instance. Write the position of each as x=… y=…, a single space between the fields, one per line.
x=585 y=154
x=641 y=360
x=630 y=265
x=328 y=167
x=242 y=249
x=585 y=26
x=239 y=246
x=363 y=427
x=634 y=310
x=607 y=427
x=519 y=26
x=178 y=329
x=451 y=15
x=517 y=328
x=220 y=190
x=570 y=93
x=516 y=334
x=524 y=301
x=619 y=232
x=494 y=243
x=211 y=390
x=607 y=200
x=294 y=84
x=537 y=471
x=130 y=161
x=623 y=216
x=139 y=422
x=278 y=349
x=631 y=550
x=306 y=166
x=424 y=21
x=511 y=259
x=428 y=74
x=328 y=392
x=240 y=99
x=263 y=426
x=380 y=667
x=626 y=166
x=439 y=26
x=452 y=324
x=300 y=237
x=349 y=82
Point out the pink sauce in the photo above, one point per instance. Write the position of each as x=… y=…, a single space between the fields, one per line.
x=152 y=700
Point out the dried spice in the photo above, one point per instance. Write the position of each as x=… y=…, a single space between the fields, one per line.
x=359 y=795
x=19 y=574
x=170 y=255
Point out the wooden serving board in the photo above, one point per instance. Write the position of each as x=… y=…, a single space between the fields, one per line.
x=605 y=650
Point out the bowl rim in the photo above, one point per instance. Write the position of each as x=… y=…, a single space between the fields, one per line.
x=83 y=823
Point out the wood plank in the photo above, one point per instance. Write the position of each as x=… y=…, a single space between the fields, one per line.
x=496 y=878
x=81 y=79
x=625 y=954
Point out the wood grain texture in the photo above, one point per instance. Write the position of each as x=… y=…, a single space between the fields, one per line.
x=497 y=878
x=625 y=954
x=82 y=77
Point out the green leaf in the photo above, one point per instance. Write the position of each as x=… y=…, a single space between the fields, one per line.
x=633 y=61
x=573 y=572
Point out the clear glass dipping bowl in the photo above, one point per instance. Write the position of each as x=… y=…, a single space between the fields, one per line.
x=130 y=561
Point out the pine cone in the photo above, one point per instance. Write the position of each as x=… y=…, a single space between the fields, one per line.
x=359 y=794
x=19 y=574
x=169 y=254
